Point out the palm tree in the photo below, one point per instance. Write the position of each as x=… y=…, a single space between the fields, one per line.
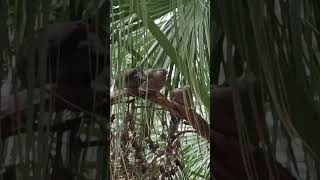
x=48 y=108
x=278 y=42
x=147 y=141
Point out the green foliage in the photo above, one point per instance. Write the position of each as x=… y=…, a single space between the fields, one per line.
x=170 y=41
x=163 y=34
x=279 y=41
x=21 y=22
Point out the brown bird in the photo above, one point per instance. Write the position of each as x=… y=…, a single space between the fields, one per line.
x=182 y=96
x=67 y=44
x=156 y=79
x=130 y=78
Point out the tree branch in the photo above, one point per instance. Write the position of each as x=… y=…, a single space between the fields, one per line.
x=180 y=111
